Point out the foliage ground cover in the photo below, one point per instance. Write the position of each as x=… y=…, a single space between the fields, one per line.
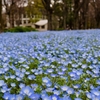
x=20 y=29
x=50 y=65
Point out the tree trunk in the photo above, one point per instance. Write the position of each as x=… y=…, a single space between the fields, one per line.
x=64 y=17
x=0 y=15
x=49 y=16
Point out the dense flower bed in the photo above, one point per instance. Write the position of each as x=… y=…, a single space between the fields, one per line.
x=50 y=65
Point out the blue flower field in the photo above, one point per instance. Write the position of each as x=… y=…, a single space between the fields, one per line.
x=51 y=65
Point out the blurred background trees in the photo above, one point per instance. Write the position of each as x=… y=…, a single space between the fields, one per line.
x=61 y=14
x=0 y=15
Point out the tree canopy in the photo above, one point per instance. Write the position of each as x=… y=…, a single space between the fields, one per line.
x=61 y=14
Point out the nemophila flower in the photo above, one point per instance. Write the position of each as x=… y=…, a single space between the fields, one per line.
x=21 y=60
x=31 y=77
x=23 y=70
x=21 y=85
x=64 y=88
x=96 y=71
x=19 y=97
x=45 y=79
x=89 y=95
x=95 y=61
x=34 y=86
x=2 y=71
x=72 y=74
x=84 y=66
x=53 y=75
x=4 y=89
x=49 y=70
x=5 y=65
x=49 y=84
x=87 y=79
x=21 y=75
x=43 y=93
x=6 y=96
x=77 y=94
x=6 y=77
x=27 y=91
x=49 y=89
x=5 y=59
x=88 y=72
x=92 y=87
x=18 y=79
x=95 y=98
x=33 y=70
x=79 y=72
x=64 y=68
x=98 y=82
x=12 y=97
x=12 y=76
x=65 y=98
x=13 y=84
x=17 y=73
x=26 y=66
x=77 y=99
x=61 y=73
x=27 y=73
x=74 y=65
x=70 y=91
x=2 y=83
x=6 y=69
x=35 y=96
x=96 y=92
x=54 y=97
x=36 y=73
x=46 y=98
x=57 y=92
x=77 y=86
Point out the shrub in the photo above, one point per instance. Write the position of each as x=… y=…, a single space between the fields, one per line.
x=20 y=29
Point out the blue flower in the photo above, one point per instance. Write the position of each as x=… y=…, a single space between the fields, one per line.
x=46 y=80
x=48 y=84
x=31 y=77
x=34 y=86
x=6 y=96
x=89 y=95
x=13 y=84
x=12 y=76
x=46 y=98
x=34 y=96
x=77 y=86
x=2 y=83
x=95 y=98
x=49 y=70
x=96 y=92
x=77 y=99
x=21 y=85
x=64 y=88
x=27 y=91
x=4 y=89
x=84 y=66
x=70 y=91
x=19 y=97
x=12 y=97
x=98 y=82
x=65 y=98
x=55 y=97
x=57 y=92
